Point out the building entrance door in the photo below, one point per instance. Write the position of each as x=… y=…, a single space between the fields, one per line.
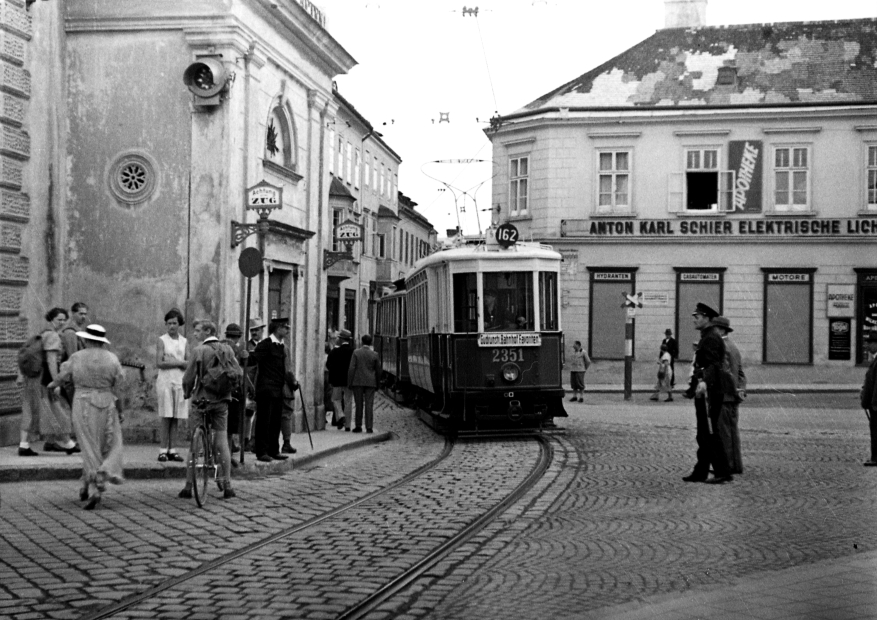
x=788 y=316
x=695 y=286
x=607 y=316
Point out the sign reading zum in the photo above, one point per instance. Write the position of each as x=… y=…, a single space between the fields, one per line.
x=509 y=340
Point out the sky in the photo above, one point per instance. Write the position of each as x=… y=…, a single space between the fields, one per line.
x=421 y=61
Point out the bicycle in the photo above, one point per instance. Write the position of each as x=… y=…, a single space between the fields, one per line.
x=202 y=462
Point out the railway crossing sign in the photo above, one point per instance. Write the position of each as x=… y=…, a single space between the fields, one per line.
x=632 y=301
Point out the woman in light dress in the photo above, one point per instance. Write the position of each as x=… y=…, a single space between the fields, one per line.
x=665 y=375
x=97 y=417
x=171 y=360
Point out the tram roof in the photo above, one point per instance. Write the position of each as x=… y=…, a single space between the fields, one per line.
x=523 y=250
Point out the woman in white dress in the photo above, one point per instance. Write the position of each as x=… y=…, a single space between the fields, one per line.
x=171 y=360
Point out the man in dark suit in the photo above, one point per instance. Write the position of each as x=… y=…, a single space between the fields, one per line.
x=709 y=396
x=869 y=396
x=673 y=350
x=338 y=363
x=274 y=371
x=363 y=377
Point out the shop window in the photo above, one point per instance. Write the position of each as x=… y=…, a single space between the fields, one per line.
x=350 y=311
x=613 y=185
x=791 y=178
x=519 y=178
x=871 y=176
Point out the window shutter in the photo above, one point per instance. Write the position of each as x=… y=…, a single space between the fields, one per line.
x=726 y=191
x=675 y=193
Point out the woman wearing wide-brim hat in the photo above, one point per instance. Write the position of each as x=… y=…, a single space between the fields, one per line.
x=97 y=418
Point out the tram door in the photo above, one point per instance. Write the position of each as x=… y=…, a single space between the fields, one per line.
x=693 y=287
x=607 y=316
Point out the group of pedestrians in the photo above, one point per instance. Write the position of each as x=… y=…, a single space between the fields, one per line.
x=354 y=376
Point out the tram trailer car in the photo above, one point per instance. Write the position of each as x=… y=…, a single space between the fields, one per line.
x=484 y=339
x=390 y=342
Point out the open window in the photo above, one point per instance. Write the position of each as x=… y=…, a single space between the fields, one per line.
x=703 y=187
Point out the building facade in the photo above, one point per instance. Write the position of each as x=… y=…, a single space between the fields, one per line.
x=733 y=165
x=154 y=120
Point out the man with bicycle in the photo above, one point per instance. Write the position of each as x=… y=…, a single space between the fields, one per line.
x=209 y=403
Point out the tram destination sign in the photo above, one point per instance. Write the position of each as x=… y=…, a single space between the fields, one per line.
x=719 y=227
x=509 y=339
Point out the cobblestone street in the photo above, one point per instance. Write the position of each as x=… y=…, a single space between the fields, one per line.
x=610 y=526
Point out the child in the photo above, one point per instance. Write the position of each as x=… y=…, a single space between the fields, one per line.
x=665 y=375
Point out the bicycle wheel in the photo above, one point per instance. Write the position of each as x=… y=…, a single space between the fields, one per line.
x=199 y=465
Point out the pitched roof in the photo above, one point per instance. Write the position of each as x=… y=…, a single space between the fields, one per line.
x=337 y=188
x=783 y=63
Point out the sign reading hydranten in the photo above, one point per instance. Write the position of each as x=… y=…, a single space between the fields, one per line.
x=745 y=159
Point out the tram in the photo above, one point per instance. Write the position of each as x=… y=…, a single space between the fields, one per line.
x=478 y=327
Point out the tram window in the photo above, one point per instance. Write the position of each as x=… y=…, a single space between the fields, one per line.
x=465 y=296
x=548 y=300
x=508 y=301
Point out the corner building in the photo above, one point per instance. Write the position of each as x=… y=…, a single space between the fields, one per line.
x=732 y=165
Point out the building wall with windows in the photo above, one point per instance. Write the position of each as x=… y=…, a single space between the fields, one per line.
x=732 y=165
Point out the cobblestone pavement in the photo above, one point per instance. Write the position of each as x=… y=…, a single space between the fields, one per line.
x=613 y=523
x=610 y=524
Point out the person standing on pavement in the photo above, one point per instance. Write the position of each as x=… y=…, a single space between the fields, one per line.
x=274 y=371
x=256 y=328
x=233 y=335
x=868 y=396
x=734 y=389
x=206 y=402
x=338 y=363
x=72 y=342
x=579 y=362
x=673 y=350
x=97 y=414
x=171 y=355
x=665 y=375
x=708 y=398
x=364 y=377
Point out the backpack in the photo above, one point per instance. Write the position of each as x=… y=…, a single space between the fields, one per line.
x=221 y=376
x=31 y=357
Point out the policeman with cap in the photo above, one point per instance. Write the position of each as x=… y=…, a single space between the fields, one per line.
x=708 y=398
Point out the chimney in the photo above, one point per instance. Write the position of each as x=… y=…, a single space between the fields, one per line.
x=684 y=13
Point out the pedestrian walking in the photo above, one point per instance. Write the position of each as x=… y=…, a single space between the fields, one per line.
x=207 y=399
x=665 y=375
x=579 y=362
x=274 y=371
x=364 y=377
x=171 y=356
x=708 y=398
x=97 y=414
x=337 y=365
x=868 y=396
x=45 y=411
x=73 y=343
x=734 y=389
x=673 y=350
x=233 y=334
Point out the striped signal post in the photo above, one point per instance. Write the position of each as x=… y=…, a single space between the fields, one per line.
x=631 y=303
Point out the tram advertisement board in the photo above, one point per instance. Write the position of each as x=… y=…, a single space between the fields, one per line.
x=745 y=158
x=513 y=339
x=839 y=339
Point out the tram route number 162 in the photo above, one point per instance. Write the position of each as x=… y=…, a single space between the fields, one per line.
x=506 y=235
x=508 y=355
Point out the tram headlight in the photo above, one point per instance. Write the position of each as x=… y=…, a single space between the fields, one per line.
x=511 y=372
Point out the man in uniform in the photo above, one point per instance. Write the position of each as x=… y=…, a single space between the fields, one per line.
x=869 y=396
x=708 y=398
x=273 y=372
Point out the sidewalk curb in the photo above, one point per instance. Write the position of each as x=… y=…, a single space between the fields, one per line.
x=141 y=471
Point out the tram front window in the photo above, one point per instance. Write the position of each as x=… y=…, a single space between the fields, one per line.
x=508 y=301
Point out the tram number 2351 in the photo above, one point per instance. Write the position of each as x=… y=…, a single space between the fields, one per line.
x=508 y=355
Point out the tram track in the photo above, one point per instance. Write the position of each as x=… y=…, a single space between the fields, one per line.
x=395 y=584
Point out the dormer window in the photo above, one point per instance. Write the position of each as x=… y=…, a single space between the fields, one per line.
x=727 y=76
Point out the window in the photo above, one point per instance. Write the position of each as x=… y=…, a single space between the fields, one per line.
x=394 y=244
x=339 y=164
x=357 y=169
x=508 y=301
x=348 y=162
x=375 y=175
x=337 y=216
x=613 y=191
x=383 y=179
x=703 y=187
x=366 y=235
x=332 y=151
x=465 y=297
x=381 y=245
x=871 y=187
x=368 y=166
x=791 y=178
x=280 y=138
x=519 y=172
x=548 y=301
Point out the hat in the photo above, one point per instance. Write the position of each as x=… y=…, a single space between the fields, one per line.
x=872 y=336
x=345 y=334
x=281 y=320
x=705 y=310
x=723 y=322
x=256 y=323
x=94 y=332
x=233 y=329
x=668 y=331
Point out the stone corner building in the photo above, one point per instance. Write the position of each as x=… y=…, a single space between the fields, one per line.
x=734 y=165
x=119 y=186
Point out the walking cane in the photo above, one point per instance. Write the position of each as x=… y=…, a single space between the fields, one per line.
x=304 y=415
x=867 y=415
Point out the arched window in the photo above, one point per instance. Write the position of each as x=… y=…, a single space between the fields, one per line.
x=280 y=145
